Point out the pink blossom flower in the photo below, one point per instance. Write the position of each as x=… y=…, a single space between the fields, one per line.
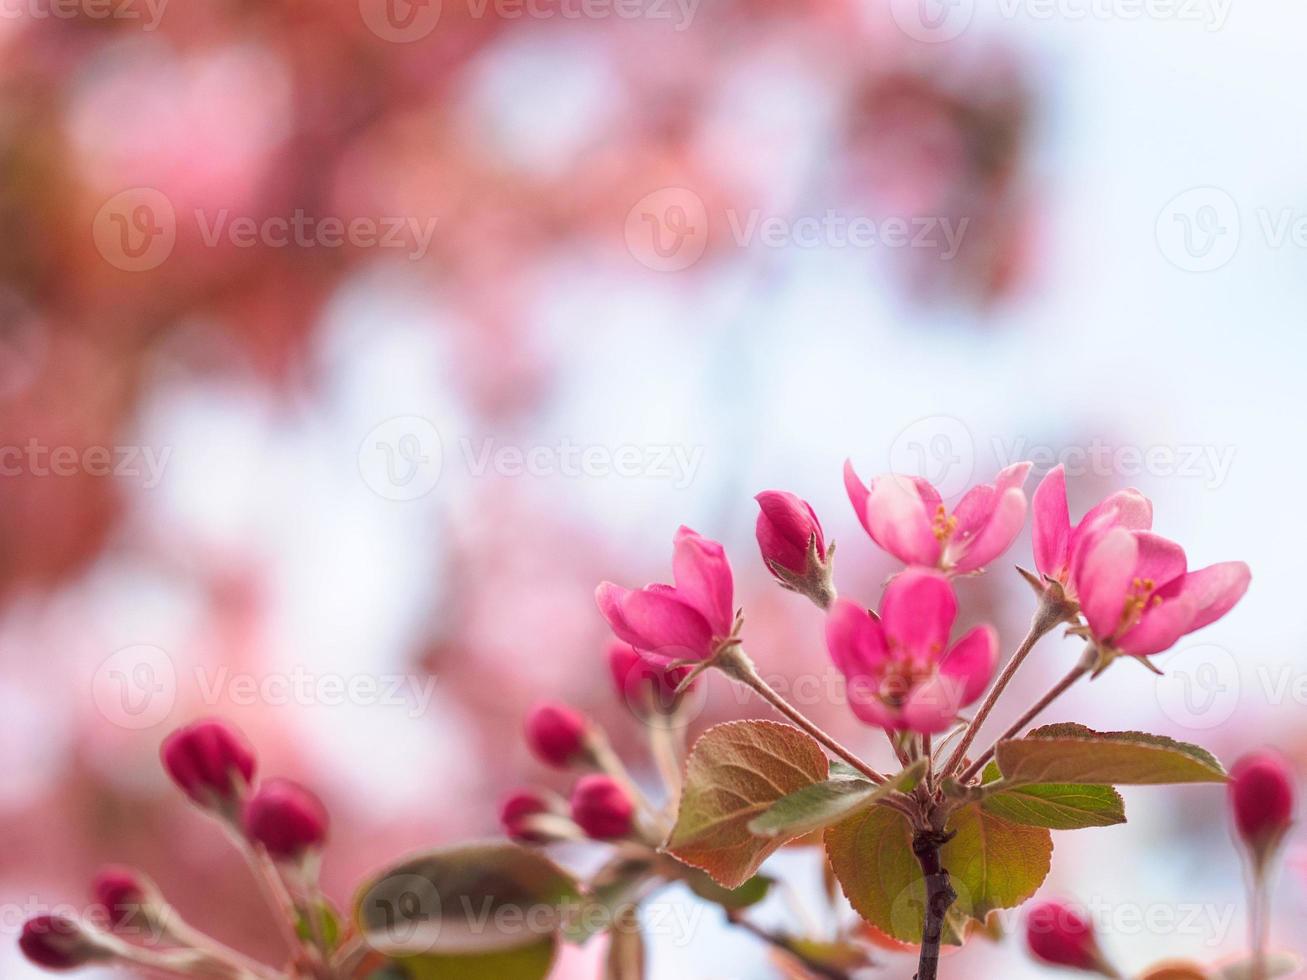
x=1057 y=543
x=515 y=816
x=1262 y=801
x=210 y=761
x=906 y=517
x=1139 y=597
x=286 y=819
x=687 y=621
x=602 y=808
x=898 y=671
x=1056 y=933
x=786 y=526
x=556 y=734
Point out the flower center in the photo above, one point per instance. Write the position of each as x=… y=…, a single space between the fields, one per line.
x=1139 y=598
x=943 y=525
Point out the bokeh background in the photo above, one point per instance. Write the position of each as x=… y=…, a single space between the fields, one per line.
x=346 y=339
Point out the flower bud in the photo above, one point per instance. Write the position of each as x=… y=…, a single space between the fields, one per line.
x=602 y=808
x=793 y=546
x=556 y=734
x=516 y=813
x=211 y=762
x=131 y=900
x=286 y=819
x=1262 y=800
x=1056 y=933
x=57 y=942
x=646 y=687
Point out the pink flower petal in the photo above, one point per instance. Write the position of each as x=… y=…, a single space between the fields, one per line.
x=933 y=704
x=974 y=510
x=971 y=662
x=917 y=613
x=898 y=521
x=666 y=628
x=1215 y=590
x=858 y=494
x=865 y=703
x=1013 y=477
x=1052 y=525
x=786 y=523
x=609 y=597
x=855 y=639
x=1103 y=578
x=1160 y=560
x=1160 y=625
x=703 y=579
x=996 y=537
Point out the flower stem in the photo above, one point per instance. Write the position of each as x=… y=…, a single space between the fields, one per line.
x=1046 y=618
x=1078 y=671
x=940 y=897
x=788 y=945
x=735 y=663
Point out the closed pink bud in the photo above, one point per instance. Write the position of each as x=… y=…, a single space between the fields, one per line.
x=211 y=762
x=516 y=813
x=1262 y=800
x=556 y=734
x=286 y=819
x=57 y=942
x=128 y=897
x=641 y=684
x=602 y=808
x=787 y=525
x=1058 y=934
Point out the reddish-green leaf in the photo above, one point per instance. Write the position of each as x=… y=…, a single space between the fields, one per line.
x=1076 y=754
x=1058 y=806
x=736 y=771
x=822 y=804
x=992 y=863
x=471 y=899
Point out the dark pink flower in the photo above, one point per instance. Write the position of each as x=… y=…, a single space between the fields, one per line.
x=210 y=761
x=286 y=819
x=57 y=942
x=899 y=673
x=643 y=685
x=602 y=808
x=1262 y=801
x=906 y=517
x=1058 y=934
x=127 y=896
x=1139 y=597
x=786 y=526
x=555 y=734
x=1057 y=543
x=687 y=621
x=517 y=811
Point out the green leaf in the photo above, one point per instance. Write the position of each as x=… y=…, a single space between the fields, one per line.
x=750 y=893
x=735 y=772
x=1071 y=753
x=525 y=963
x=328 y=924
x=822 y=804
x=992 y=864
x=469 y=899
x=1058 y=806
x=871 y=855
x=1277 y=965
